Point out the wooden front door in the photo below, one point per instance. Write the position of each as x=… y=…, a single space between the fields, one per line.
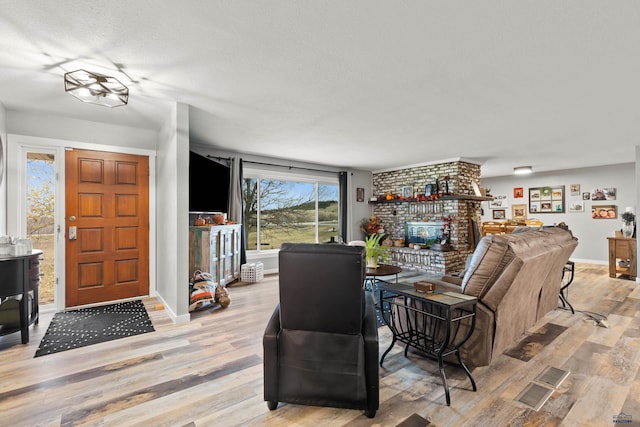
x=107 y=201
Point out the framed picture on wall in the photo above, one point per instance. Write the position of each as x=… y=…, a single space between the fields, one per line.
x=574 y=189
x=499 y=201
x=547 y=199
x=576 y=207
x=407 y=191
x=518 y=192
x=604 y=212
x=499 y=214
x=519 y=212
x=603 y=193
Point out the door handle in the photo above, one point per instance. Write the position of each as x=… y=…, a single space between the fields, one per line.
x=72 y=233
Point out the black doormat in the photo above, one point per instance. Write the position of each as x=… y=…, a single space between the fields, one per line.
x=86 y=326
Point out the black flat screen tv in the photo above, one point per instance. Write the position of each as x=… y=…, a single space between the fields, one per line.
x=208 y=184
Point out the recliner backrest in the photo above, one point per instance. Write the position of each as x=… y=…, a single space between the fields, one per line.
x=321 y=287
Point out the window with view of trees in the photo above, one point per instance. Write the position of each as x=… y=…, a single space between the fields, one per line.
x=280 y=210
x=40 y=169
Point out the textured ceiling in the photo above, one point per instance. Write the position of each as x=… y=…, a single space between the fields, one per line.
x=359 y=83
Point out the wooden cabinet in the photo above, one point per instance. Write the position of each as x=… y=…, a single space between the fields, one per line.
x=623 y=249
x=216 y=250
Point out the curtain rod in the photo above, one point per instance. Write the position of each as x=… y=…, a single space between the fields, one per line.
x=273 y=164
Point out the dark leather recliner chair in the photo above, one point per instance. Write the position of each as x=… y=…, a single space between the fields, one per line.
x=321 y=343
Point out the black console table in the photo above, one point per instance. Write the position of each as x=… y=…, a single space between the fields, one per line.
x=428 y=322
x=20 y=276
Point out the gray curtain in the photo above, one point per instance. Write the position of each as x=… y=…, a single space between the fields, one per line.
x=342 y=221
x=236 y=210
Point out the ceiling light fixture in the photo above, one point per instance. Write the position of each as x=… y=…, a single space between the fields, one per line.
x=522 y=170
x=96 y=88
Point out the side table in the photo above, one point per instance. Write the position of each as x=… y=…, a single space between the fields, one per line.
x=623 y=248
x=436 y=323
x=381 y=270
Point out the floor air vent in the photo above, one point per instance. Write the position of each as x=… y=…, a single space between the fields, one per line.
x=551 y=377
x=538 y=392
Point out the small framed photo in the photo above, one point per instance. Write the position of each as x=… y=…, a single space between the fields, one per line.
x=359 y=194
x=499 y=214
x=576 y=207
x=586 y=195
x=428 y=190
x=518 y=193
x=407 y=191
x=534 y=194
x=519 y=212
x=499 y=201
x=575 y=189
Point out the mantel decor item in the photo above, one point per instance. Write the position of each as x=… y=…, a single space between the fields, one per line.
x=96 y=88
x=371 y=225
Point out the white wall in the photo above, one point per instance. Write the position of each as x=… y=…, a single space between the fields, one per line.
x=172 y=206
x=65 y=128
x=359 y=210
x=591 y=233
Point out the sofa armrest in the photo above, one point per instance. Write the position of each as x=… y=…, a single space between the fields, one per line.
x=270 y=364
x=456 y=280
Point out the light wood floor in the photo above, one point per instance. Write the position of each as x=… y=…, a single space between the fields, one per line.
x=209 y=372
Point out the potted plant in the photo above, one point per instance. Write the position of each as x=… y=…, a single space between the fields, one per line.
x=375 y=251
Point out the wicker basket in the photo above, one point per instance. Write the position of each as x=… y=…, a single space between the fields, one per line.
x=252 y=272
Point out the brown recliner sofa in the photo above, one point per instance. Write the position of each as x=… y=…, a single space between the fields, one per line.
x=517 y=279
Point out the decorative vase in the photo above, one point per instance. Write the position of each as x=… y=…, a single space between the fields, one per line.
x=372 y=262
x=627 y=229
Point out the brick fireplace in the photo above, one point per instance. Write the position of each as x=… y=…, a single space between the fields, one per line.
x=462 y=205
